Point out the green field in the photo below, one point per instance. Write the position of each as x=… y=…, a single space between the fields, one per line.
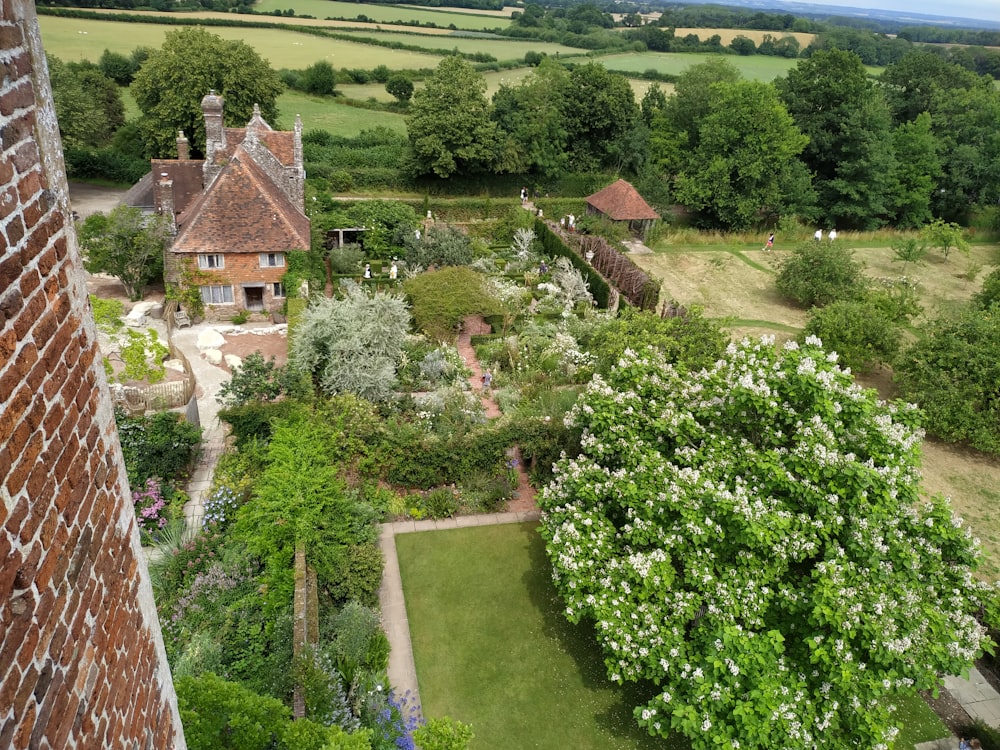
x=324 y=114
x=73 y=39
x=384 y=13
x=754 y=67
x=501 y=49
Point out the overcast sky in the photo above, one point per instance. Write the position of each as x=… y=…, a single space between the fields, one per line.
x=985 y=9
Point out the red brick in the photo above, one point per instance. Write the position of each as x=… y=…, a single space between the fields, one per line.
x=57 y=378
x=27 y=652
x=28 y=316
x=8 y=571
x=32 y=214
x=30 y=281
x=15 y=231
x=8 y=345
x=28 y=185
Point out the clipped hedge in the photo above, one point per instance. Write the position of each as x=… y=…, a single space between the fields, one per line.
x=553 y=245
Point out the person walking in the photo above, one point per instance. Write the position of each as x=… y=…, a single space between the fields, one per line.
x=833 y=234
x=393 y=271
x=819 y=235
x=770 y=243
x=368 y=271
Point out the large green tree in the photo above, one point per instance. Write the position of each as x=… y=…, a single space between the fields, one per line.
x=745 y=168
x=126 y=244
x=600 y=116
x=913 y=84
x=845 y=116
x=449 y=124
x=965 y=124
x=918 y=170
x=530 y=118
x=88 y=104
x=752 y=548
x=173 y=80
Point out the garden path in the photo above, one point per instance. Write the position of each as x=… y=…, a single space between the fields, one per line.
x=474 y=325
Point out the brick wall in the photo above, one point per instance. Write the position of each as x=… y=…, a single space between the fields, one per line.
x=241 y=268
x=82 y=663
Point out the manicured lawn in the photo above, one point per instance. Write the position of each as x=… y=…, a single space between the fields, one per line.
x=493 y=649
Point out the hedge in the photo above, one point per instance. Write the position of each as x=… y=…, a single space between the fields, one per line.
x=555 y=247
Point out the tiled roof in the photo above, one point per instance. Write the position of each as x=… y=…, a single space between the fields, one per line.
x=242 y=211
x=187 y=176
x=281 y=143
x=621 y=202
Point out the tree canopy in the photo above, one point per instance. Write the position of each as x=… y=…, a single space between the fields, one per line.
x=750 y=539
x=126 y=244
x=449 y=123
x=174 y=79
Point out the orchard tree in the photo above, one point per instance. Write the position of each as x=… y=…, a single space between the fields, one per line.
x=745 y=167
x=126 y=244
x=173 y=80
x=751 y=540
x=449 y=125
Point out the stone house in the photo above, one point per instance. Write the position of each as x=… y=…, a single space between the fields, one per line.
x=236 y=214
x=621 y=202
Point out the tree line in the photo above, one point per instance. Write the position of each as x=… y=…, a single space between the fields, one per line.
x=827 y=143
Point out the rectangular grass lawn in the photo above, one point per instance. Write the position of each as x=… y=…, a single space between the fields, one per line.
x=493 y=649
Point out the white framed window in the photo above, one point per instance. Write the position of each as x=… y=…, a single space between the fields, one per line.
x=216 y=294
x=278 y=288
x=211 y=261
x=272 y=260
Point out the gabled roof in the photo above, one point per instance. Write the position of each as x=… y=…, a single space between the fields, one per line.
x=621 y=202
x=242 y=211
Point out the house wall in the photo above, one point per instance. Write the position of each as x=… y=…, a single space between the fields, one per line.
x=82 y=663
x=244 y=268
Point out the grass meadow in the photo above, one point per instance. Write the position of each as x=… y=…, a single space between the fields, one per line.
x=462 y=19
x=74 y=39
x=319 y=113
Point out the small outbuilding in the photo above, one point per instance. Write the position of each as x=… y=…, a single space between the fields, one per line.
x=621 y=202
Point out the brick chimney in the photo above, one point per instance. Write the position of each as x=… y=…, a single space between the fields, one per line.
x=215 y=135
x=183 y=147
x=163 y=199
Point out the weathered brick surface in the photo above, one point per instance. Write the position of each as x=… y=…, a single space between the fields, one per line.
x=82 y=663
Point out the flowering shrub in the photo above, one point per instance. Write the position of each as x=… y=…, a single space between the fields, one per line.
x=221 y=507
x=151 y=509
x=751 y=539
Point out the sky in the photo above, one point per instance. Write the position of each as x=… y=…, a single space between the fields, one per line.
x=984 y=9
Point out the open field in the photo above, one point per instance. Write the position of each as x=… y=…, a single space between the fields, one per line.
x=501 y=49
x=736 y=282
x=461 y=18
x=319 y=113
x=754 y=67
x=727 y=35
x=73 y=39
x=493 y=649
